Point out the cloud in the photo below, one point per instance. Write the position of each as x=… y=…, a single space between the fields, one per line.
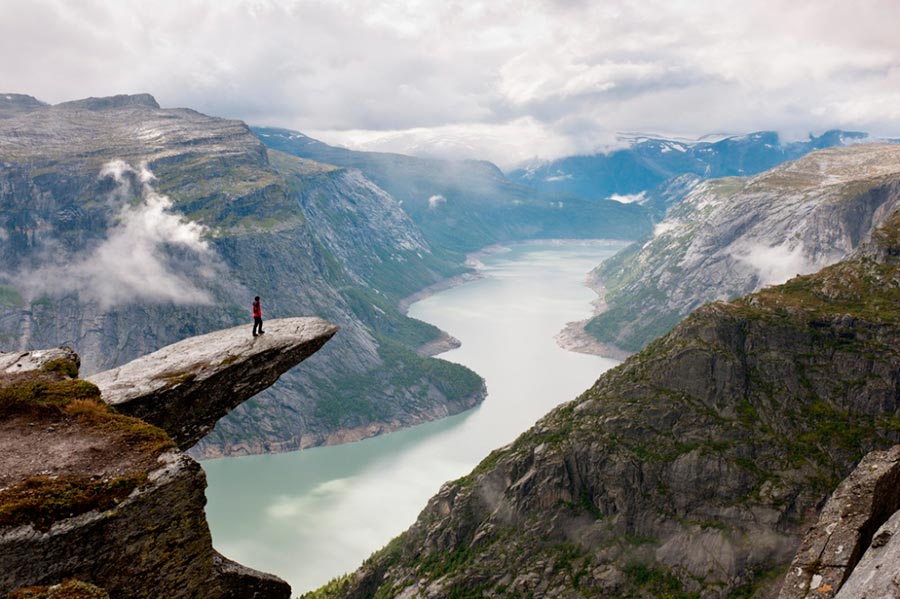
x=435 y=201
x=664 y=227
x=775 y=264
x=534 y=77
x=145 y=257
x=627 y=198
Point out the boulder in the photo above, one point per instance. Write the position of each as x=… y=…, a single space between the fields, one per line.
x=846 y=528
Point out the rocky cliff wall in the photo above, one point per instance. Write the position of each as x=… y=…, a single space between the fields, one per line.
x=729 y=237
x=691 y=470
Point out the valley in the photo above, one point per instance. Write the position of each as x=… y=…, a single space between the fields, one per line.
x=312 y=515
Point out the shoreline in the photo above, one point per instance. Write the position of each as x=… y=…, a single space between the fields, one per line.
x=340 y=436
x=441 y=285
x=574 y=338
x=571 y=338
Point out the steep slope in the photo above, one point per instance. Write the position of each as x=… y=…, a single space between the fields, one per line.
x=127 y=227
x=466 y=205
x=732 y=236
x=688 y=471
x=649 y=161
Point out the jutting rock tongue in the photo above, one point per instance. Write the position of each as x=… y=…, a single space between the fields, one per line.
x=186 y=387
x=92 y=495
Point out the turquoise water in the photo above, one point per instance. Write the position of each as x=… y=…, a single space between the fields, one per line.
x=311 y=515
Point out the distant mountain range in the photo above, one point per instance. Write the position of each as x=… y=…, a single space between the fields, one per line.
x=650 y=161
x=465 y=205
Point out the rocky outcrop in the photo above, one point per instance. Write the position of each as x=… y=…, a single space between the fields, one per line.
x=41 y=359
x=851 y=551
x=728 y=237
x=877 y=575
x=691 y=470
x=91 y=492
x=186 y=387
x=155 y=543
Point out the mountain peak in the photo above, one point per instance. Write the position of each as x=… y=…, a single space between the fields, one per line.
x=117 y=101
x=11 y=104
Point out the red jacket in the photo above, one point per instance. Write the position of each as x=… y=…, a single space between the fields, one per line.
x=257 y=310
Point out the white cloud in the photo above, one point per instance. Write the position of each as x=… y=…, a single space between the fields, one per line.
x=435 y=201
x=133 y=263
x=664 y=227
x=530 y=77
x=627 y=198
x=775 y=264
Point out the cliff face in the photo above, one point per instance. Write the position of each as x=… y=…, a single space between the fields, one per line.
x=688 y=471
x=93 y=191
x=729 y=237
x=851 y=551
x=87 y=492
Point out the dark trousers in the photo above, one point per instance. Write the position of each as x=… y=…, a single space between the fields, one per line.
x=257 y=322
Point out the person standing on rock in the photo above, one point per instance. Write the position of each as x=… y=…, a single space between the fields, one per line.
x=257 y=317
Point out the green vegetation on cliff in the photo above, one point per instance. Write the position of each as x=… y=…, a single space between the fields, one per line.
x=69 y=589
x=52 y=400
x=728 y=237
x=690 y=469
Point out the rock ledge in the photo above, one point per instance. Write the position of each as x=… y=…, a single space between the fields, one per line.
x=186 y=387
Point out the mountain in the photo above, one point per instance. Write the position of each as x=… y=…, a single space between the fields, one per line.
x=649 y=161
x=126 y=227
x=690 y=470
x=462 y=206
x=731 y=236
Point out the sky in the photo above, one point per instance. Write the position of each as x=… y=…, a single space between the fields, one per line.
x=504 y=80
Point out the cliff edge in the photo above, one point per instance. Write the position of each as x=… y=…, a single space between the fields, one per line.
x=186 y=387
x=92 y=493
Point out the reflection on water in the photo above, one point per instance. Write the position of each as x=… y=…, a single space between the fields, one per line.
x=311 y=515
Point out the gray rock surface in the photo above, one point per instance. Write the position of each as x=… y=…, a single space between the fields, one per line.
x=186 y=387
x=690 y=470
x=733 y=236
x=12 y=362
x=877 y=575
x=846 y=529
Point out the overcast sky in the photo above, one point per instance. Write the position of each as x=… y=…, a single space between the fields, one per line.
x=504 y=80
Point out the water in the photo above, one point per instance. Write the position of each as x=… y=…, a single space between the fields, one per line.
x=311 y=515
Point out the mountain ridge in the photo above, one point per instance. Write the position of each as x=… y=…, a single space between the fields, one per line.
x=209 y=211
x=689 y=470
x=731 y=236
x=649 y=161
